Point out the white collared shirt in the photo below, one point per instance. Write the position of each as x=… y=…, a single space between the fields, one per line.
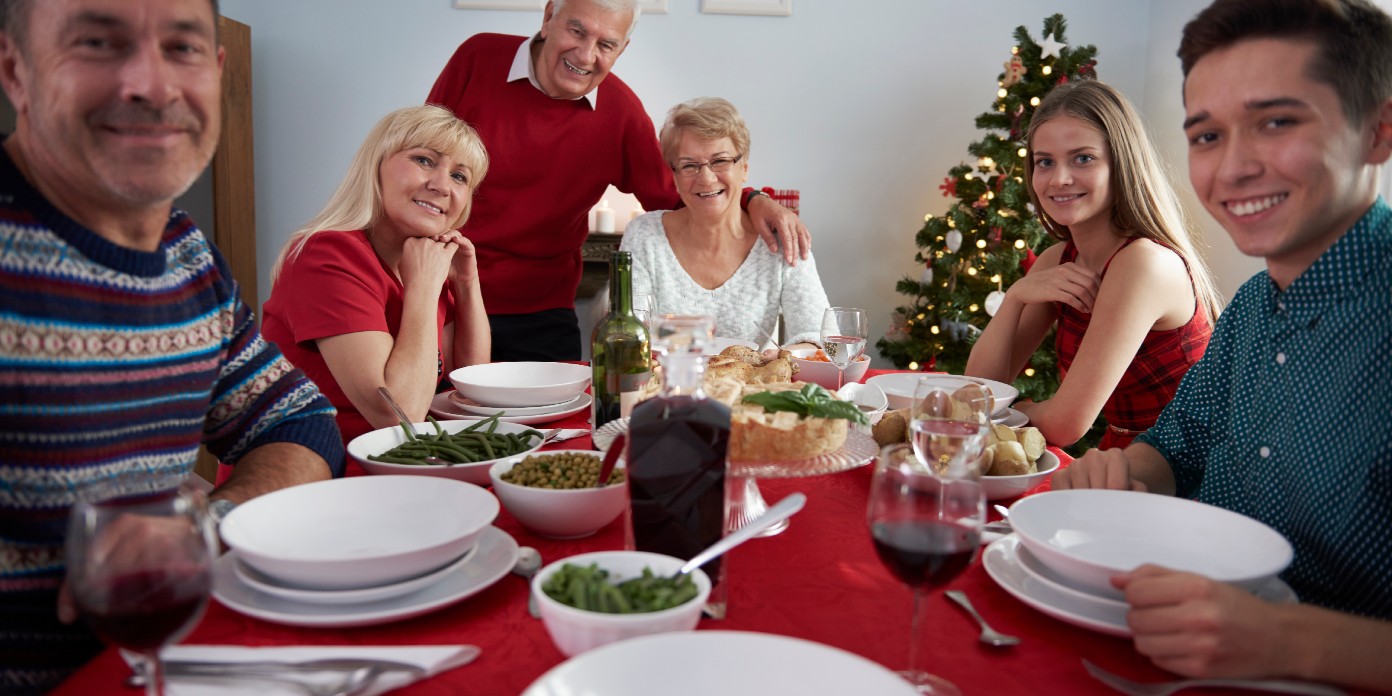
x=522 y=68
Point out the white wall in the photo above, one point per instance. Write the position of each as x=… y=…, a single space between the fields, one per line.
x=864 y=106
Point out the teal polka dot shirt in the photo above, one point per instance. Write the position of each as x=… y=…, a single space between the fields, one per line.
x=1288 y=418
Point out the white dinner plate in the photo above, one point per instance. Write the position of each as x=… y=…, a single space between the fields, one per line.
x=1041 y=573
x=255 y=579
x=1002 y=562
x=1011 y=418
x=468 y=405
x=729 y=663
x=492 y=558
x=443 y=407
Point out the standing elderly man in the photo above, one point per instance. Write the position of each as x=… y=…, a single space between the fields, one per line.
x=1289 y=119
x=560 y=129
x=123 y=342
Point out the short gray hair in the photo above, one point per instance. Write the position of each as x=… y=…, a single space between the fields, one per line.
x=610 y=5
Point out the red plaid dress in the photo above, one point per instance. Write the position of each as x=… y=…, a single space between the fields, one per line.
x=1153 y=376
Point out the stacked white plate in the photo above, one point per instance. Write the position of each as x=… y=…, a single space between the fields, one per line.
x=360 y=550
x=1068 y=544
x=452 y=405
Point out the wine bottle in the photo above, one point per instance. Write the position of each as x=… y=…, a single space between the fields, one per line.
x=619 y=355
x=677 y=444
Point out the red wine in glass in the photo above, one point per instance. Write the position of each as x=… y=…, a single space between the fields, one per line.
x=925 y=553
x=139 y=558
x=143 y=610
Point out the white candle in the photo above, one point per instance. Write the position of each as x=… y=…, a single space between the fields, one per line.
x=604 y=217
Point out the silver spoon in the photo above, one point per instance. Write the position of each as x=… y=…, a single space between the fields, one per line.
x=989 y=636
x=528 y=563
x=779 y=512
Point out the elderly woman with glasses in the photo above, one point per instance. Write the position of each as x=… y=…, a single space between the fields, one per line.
x=703 y=258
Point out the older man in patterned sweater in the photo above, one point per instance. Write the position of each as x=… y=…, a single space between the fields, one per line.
x=123 y=342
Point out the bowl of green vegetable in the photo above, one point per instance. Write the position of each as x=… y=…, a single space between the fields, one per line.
x=554 y=493
x=598 y=598
x=462 y=450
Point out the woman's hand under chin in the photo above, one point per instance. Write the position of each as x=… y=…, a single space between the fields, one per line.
x=464 y=269
x=426 y=261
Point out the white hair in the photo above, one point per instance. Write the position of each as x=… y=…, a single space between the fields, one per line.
x=611 y=6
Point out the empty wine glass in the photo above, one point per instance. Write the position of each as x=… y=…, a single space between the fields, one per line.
x=643 y=309
x=139 y=561
x=926 y=526
x=843 y=337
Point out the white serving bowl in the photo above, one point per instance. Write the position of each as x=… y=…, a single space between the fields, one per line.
x=383 y=439
x=869 y=398
x=558 y=513
x=506 y=384
x=1087 y=536
x=358 y=532
x=576 y=630
x=899 y=387
x=824 y=373
x=1002 y=487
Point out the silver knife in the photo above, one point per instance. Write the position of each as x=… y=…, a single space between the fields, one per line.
x=206 y=667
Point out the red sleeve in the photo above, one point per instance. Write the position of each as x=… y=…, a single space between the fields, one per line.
x=335 y=286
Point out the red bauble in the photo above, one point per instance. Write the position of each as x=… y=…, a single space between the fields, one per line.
x=1028 y=261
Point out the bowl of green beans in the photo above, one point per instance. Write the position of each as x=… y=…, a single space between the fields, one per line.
x=462 y=450
x=554 y=493
x=594 y=599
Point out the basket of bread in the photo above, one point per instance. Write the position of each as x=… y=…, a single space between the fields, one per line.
x=1013 y=461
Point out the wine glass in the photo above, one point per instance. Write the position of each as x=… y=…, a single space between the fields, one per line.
x=843 y=337
x=140 y=563
x=643 y=308
x=949 y=430
x=926 y=527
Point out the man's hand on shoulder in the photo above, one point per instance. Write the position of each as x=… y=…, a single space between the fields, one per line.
x=780 y=227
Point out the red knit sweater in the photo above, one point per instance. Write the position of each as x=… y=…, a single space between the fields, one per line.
x=549 y=161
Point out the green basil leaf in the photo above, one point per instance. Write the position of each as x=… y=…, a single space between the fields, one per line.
x=810 y=400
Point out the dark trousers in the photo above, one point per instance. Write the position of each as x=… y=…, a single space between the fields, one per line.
x=546 y=336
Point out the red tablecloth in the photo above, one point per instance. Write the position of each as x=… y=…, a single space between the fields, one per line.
x=819 y=580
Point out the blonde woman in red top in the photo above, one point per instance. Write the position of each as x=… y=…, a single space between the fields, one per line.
x=381 y=289
x=1132 y=302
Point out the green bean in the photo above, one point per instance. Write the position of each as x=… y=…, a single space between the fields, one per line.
x=467 y=446
x=588 y=587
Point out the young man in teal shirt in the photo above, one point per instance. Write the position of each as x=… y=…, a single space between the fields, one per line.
x=1288 y=112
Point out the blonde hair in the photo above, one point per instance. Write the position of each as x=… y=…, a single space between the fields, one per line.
x=708 y=118
x=357 y=204
x=1145 y=204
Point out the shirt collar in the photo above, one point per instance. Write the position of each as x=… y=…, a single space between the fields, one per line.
x=1343 y=269
x=523 y=69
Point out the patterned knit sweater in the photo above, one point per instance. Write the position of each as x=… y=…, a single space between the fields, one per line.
x=114 y=360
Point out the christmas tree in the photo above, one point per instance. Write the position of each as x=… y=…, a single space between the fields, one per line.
x=989 y=235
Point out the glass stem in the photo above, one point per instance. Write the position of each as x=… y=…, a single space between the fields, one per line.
x=916 y=640
x=840 y=375
x=154 y=672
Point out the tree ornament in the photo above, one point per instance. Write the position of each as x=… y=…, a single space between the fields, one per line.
x=953 y=240
x=993 y=302
x=926 y=276
x=949 y=187
x=1014 y=70
x=1050 y=47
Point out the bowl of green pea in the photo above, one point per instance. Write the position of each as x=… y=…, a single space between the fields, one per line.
x=594 y=599
x=555 y=493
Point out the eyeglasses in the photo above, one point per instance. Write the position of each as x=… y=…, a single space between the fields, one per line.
x=717 y=165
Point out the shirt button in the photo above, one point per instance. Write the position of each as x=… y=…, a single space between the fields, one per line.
x=1280 y=358
x=1281 y=306
x=1265 y=452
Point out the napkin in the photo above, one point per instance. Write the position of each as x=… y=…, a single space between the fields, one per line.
x=433 y=658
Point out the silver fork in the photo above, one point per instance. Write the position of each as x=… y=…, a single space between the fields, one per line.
x=1276 y=686
x=558 y=434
